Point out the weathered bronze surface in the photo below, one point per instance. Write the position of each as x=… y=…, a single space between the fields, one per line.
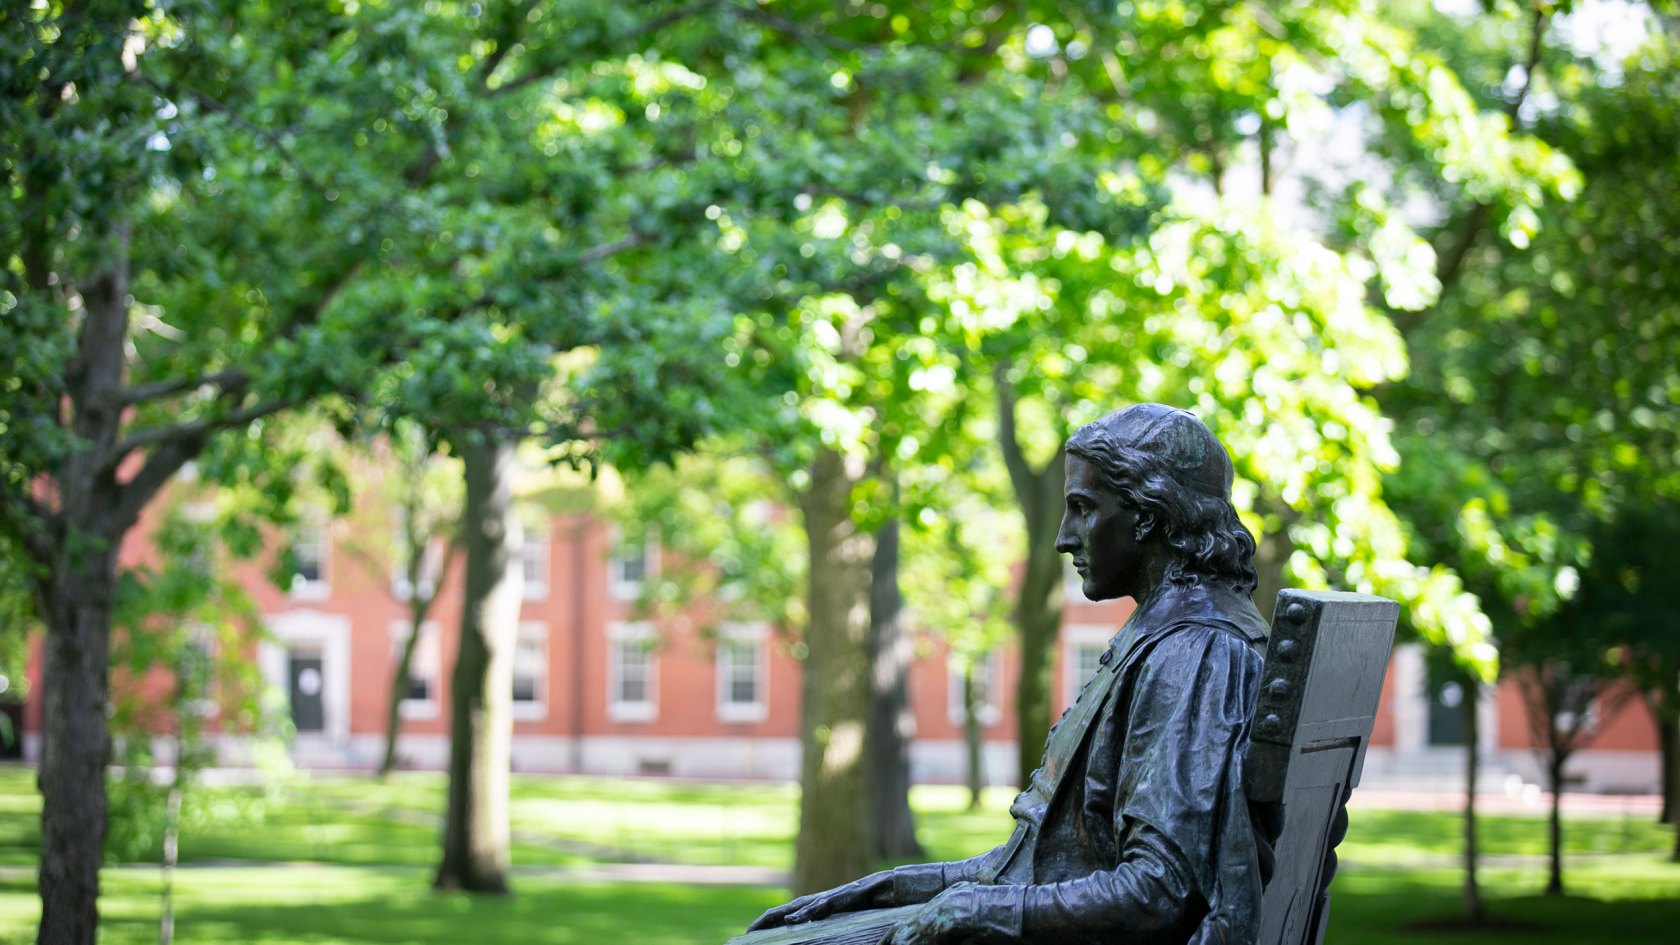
x=1140 y=825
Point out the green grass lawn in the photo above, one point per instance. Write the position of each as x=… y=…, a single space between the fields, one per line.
x=346 y=860
x=321 y=905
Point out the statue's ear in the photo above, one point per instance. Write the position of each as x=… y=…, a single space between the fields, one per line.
x=1145 y=527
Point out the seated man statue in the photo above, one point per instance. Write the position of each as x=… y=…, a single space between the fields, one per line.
x=1135 y=828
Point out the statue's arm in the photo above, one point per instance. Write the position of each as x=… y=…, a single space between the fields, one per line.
x=901 y=886
x=920 y=882
x=1189 y=710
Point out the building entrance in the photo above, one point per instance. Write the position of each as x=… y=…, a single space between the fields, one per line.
x=305 y=684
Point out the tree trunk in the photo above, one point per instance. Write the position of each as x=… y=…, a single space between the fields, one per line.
x=833 y=846
x=171 y=855
x=399 y=691
x=890 y=721
x=475 y=837
x=1271 y=561
x=76 y=743
x=1554 y=777
x=1038 y=606
x=1038 y=615
x=1670 y=729
x=1668 y=744
x=75 y=598
x=971 y=738
x=1472 y=763
x=1665 y=750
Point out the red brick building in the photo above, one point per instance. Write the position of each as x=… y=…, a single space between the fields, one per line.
x=598 y=690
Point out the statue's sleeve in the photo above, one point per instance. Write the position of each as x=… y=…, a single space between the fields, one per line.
x=1189 y=710
x=922 y=881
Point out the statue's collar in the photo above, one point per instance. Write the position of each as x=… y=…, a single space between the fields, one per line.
x=1210 y=604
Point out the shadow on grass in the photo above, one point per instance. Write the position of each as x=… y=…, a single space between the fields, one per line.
x=327 y=905
x=655 y=915
x=1638 y=905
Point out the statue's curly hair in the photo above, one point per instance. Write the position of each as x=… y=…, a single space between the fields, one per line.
x=1205 y=538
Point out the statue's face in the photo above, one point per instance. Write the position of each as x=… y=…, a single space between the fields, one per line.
x=1106 y=537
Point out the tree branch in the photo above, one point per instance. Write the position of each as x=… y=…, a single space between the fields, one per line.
x=211 y=103
x=1452 y=261
x=1020 y=472
x=307 y=312
x=795 y=30
x=160 y=467
x=646 y=29
x=161 y=389
x=190 y=431
x=607 y=250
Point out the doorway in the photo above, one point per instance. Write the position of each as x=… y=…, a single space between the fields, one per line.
x=306 y=685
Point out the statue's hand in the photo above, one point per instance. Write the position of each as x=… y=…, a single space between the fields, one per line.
x=968 y=913
x=870 y=892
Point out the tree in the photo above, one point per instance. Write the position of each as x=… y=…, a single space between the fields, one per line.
x=1220 y=269
x=835 y=319
x=183 y=659
x=887 y=739
x=1567 y=679
x=475 y=838
x=1537 y=422
x=201 y=202
x=959 y=584
x=424 y=498
x=1623 y=599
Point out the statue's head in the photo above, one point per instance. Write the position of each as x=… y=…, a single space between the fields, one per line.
x=1149 y=499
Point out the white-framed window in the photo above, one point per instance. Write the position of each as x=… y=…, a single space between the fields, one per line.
x=632 y=672
x=431 y=566
x=533 y=559
x=311 y=555
x=530 y=671
x=200 y=557
x=987 y=698
x=741 y=672
x=630 y=566
x=420 y=692
x=197 y=670
x=1082 y=650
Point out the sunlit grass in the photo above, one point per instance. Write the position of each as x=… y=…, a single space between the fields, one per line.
x=1397 y=838
x=566 y=821
x=324 y=905
x=366 y=850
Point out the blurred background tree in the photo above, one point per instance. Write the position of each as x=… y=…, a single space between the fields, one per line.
x=1538 y=423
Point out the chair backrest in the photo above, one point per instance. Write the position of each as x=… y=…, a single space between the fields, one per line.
x=1323 y=677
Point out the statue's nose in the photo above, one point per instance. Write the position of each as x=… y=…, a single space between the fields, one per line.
x=1066 y=542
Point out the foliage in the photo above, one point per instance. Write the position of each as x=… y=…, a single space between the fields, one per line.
x=722 y=540
x=956 y=584
x=185 y=658
x=1540 y=408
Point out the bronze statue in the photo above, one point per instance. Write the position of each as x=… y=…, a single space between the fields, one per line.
x=1136 y=827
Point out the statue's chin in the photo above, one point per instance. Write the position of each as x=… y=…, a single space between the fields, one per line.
x=1094 y=593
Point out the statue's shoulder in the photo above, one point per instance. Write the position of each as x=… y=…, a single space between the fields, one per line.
x=1203 y=609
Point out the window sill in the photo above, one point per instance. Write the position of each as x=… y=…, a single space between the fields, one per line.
x=309 y=590
x=632 y=712
x=417 y=709
x=755 y=712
